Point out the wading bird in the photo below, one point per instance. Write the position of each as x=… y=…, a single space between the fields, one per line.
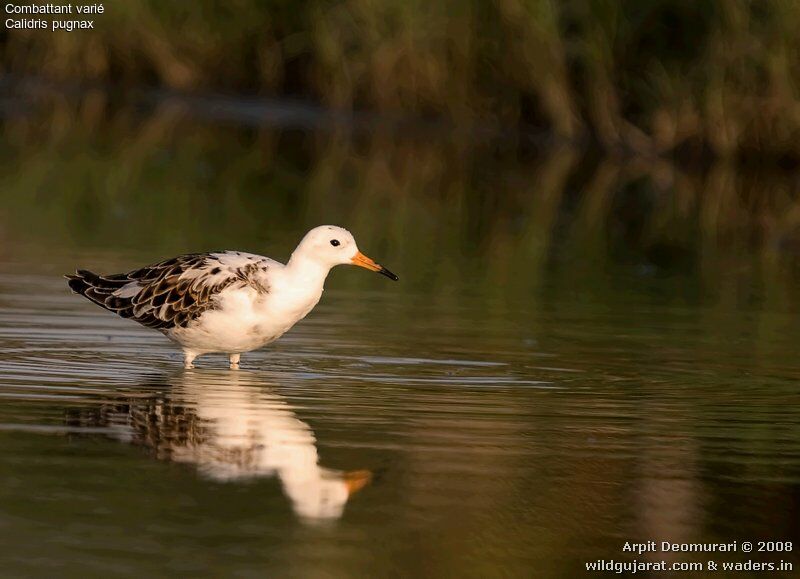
x=229 y=301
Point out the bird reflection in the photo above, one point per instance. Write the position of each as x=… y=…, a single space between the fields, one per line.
x=232 y=427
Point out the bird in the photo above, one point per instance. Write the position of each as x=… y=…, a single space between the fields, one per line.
x=228 y=301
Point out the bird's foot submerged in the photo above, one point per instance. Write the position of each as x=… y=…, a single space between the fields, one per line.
x=188 y=359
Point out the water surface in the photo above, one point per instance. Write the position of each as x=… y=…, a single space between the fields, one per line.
x=577 y=355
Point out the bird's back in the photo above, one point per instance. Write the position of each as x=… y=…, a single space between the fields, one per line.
x=171 y=294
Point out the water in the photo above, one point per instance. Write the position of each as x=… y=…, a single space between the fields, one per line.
x=573 y=358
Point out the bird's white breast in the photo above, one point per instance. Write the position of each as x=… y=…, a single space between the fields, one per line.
x=246 y=319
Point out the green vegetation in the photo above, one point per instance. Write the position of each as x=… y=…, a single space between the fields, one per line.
x=652 y=76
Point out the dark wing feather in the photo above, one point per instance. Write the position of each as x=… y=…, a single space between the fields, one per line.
x=174 y=292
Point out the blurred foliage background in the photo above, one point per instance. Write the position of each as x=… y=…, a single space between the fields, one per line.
x=524 y=139
x=695 y=77
x=463 y=215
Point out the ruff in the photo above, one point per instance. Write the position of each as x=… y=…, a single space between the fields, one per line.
x=228 y=301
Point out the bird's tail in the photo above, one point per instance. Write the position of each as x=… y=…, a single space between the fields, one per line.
x=80 y=282
x=97 y=288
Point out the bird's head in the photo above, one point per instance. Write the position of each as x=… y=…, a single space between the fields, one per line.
x=330 y=245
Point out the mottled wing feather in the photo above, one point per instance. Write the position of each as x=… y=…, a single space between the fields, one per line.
x=172 y=293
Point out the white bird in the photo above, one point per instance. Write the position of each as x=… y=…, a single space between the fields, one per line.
x=229 y=301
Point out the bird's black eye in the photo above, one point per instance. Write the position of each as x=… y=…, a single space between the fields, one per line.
x=335 y=242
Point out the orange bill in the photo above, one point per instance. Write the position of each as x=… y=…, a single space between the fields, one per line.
x=356 y=480
x=362 y=260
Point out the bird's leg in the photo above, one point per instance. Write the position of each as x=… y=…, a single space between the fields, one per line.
x=234 y=358
x=188 y=358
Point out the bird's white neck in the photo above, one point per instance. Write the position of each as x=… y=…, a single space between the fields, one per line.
x=304 y=270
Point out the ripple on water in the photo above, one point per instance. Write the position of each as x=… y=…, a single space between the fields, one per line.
x=440 y=425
